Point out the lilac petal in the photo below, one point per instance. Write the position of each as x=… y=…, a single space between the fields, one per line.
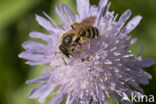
x=30 y=45
x=101 y=6
x=135 y=85
x=141 y=79
x=143 y=73
x=147 y=75
x=45 y=92
x=41 y=91
x=130 y=42
x=68 y=99
x=133 y=41
x=115 y=17
x=75 y=101
x=35 y=92
x=68 y=12
x=83 y=7
x=50 y=19
x=62 y=16
x=102 y=3
x=31 y=56
x=38 y=63
x=132 y=25
x=40 y=35
x=93 y=10
x=44 y=23
x=107 y=11
x=57 y=99
x=145 y=62
x=37 y=80
x=125 y=16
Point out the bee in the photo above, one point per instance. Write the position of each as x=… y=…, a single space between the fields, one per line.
x=78 y=35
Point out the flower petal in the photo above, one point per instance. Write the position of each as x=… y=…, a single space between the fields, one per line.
x=62 y=16
x=46 y=91
x=41 y=91
x=31 y=56
x=50 y=19
x=93 y=10
x=37 y=80
x=125 y=16
x=40 y=35
x=131 y=25
x=141 y=79
x=43 y=62
x=35 y=92
x=83 y=7
x=68 y=12
x=30 y=45
x=44 y=23
x=145 y=62
x=57 y=99
x=102 y=6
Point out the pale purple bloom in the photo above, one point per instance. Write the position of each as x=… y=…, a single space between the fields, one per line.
x=112 y=69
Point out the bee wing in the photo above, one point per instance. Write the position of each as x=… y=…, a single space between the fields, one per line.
x=89 y=20
x=78 y=32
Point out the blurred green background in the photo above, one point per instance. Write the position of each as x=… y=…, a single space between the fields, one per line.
x=17 y=19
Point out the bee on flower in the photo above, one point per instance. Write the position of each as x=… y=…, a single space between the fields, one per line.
x=88 y=57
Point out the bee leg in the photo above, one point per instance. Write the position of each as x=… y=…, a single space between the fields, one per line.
x=91 y=100
x=72 y=49
x=82 y=59
x=87 y=59
x=79 y=46
x=64 y=60
x=62 y=57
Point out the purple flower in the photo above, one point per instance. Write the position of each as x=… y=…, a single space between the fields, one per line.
x=112 y=69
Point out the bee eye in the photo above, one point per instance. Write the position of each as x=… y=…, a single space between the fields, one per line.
x=67 y=40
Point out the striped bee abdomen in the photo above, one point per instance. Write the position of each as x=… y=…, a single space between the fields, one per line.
x=90 y=32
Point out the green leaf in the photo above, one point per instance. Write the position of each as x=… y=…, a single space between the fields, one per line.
x=10 y=10
x=70 y=3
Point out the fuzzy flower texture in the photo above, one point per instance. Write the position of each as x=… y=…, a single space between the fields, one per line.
x=112 y=70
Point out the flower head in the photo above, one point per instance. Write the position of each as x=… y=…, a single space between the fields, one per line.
x=111 y=69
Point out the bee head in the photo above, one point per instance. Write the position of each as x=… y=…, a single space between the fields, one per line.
x=67 y=40
x=64 y=50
